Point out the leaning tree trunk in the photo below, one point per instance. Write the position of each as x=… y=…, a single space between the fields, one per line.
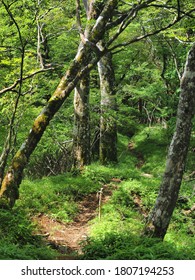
x=161 y=214
x=81 y=65
x=108 y=127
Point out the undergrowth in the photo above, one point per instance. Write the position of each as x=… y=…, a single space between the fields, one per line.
x=17 y=238
x=118 y=235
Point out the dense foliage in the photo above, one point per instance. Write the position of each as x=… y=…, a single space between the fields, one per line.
x=38 y=41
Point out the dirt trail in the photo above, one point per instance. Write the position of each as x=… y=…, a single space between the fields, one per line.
x=66 y=238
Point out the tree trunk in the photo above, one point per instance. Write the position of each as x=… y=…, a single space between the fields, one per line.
x=81 y=132
x=3 y=159
x=81 y=65
x=108 y=127
x=161 y=214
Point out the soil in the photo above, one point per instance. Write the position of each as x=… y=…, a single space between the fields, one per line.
x=66 y=238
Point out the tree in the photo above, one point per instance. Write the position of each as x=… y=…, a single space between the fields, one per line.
x=85 y=60
x=80 y=66
x=7 y=144
x=21 y=77
x=81 y=130
x=108 y=131
x=108 y=127
x=160 y=216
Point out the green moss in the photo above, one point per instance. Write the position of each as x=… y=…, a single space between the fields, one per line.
x=39 y=123
x=19 y=160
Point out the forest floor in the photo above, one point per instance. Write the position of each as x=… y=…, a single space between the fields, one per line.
x=57 y=217
x=67 y=238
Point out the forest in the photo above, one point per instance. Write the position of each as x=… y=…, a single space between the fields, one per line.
x=97 y=136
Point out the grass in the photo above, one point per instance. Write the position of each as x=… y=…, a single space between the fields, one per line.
x=119 y=233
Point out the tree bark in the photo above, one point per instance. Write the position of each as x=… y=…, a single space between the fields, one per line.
x=81 y=132
x=108 y=127
x=81 y=65
x=175 y=165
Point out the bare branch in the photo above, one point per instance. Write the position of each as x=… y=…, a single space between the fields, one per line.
x=24 y=78
x=155 y=32
x=14 y=21
x=174 y=59
x=130 y=16
x=85 y=3
x=78 y=16
x=39 y=54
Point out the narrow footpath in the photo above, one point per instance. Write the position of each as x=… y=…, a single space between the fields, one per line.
x=66 y=238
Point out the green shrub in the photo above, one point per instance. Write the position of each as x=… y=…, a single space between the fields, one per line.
x=17 y=240
x=127 y=246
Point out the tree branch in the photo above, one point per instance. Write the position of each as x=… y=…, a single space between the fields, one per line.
x=78 y=16
x=155 y=32
x=24 y=78
x=130 y=16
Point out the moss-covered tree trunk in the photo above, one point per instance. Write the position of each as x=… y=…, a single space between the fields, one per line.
x=81 y=65
x=108 y=127
x=81 y=132
x=161 y=214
